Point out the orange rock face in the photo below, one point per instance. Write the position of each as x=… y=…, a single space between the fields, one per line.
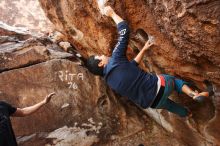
x=187 y=35
x=85 y=111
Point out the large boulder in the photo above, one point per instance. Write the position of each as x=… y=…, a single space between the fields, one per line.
x=187 y=45
x=25 y=13
x=20 y=49
x=187 y=33
x=82 y=102
x=84 y=111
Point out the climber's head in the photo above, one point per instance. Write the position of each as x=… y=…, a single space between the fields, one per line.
x=97 y=63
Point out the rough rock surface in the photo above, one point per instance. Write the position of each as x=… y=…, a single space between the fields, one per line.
x=24 y=13
x=188 y=45
x=84 y=111
x=187 y=33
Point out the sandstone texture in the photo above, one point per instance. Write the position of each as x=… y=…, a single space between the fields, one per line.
x=24 y=13
x=187 y=33
x=85 y=112
x=187 y=37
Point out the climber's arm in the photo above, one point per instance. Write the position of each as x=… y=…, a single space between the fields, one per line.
x=111 y=13
x=123 y=30
x=22 y=112
x=140 y=55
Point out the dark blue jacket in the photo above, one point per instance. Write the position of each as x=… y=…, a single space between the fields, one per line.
x=125 y=77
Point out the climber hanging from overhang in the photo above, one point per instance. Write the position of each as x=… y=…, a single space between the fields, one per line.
x=126 y=78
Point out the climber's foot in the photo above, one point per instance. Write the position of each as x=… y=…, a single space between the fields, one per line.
x=200 y=97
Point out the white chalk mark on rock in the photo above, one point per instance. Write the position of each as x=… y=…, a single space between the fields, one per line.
x=65 y=105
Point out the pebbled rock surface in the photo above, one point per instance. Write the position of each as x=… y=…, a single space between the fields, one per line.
x=187 y=37
x=84 y=111
x=25 y=13
x=187 y=33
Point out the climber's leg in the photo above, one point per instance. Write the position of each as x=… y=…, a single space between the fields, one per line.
x=175 y=108
x=166 y=103
x=195 y=95
x=198 y=96
x=182 y=87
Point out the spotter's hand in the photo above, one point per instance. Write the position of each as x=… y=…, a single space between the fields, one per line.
x=48 y=97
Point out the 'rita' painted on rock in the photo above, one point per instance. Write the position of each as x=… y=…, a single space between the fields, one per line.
x=66 y=76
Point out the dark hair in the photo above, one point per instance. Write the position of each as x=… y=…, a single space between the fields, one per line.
x=92 y=65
